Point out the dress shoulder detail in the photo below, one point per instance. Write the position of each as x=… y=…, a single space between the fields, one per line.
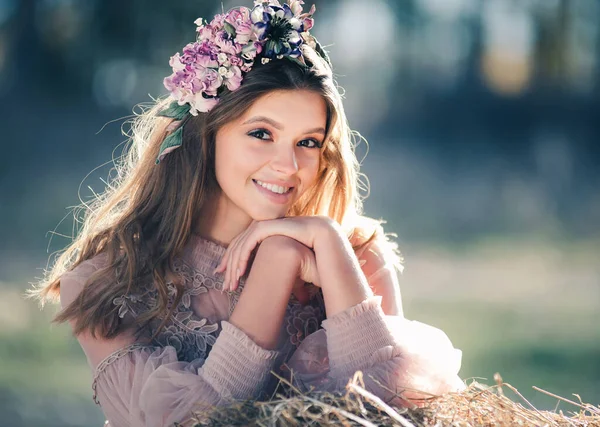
x=190 y=334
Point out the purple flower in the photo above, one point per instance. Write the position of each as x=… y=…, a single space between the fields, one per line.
x=228 y=46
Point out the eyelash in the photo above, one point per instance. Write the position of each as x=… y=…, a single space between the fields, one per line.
x=259 y=131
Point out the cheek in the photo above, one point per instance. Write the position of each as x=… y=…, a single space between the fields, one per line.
x=310 y=170
x=234 y=159
x=226 y=162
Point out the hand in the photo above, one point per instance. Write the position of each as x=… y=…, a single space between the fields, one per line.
x=308 y=266
x=307 y=272
x=291 y=254
x=304 y=229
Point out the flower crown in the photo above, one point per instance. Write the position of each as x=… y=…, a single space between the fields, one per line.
x=226 y=49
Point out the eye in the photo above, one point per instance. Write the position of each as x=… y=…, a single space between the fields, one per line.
x=259 y=133
x=316 y=144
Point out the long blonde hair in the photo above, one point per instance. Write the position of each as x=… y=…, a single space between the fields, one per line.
x=146 y=215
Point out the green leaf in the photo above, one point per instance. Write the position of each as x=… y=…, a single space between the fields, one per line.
x=171 y=142
x=175 y=111
x=229 y=28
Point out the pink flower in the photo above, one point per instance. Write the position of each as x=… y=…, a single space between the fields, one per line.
x=227 y=46
x=205 y=61
x=233 y=79
x=177 y=80
x=240 y=21
x=308 y=23
x=205 y=33
x=175 y=63
x=296 y=6
x=201 y=104
x=211 y=81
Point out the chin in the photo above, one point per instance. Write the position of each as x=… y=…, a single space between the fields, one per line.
x=264 y=216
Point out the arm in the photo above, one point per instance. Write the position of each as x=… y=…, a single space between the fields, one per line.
x=344 y=283
x=395 y=355
x=271 y=278
x=147 y=385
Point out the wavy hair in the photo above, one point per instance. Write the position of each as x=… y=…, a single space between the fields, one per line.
x=146 y=215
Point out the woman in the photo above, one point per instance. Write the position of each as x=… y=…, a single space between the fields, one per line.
x=233 y=232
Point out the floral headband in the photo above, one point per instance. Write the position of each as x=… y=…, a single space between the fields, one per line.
x=226 y=49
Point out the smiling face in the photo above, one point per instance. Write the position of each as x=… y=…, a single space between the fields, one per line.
x=276 y=141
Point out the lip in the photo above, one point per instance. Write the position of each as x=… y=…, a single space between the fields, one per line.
x=279 y=183
x=275 y=198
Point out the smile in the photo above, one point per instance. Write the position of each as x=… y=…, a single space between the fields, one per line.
x=275 y=193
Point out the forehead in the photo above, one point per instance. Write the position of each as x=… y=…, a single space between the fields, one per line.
x=292 y=108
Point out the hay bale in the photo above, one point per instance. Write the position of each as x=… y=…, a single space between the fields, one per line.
x=478 y=405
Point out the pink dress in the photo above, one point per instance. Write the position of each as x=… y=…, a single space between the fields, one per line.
x=201 y=360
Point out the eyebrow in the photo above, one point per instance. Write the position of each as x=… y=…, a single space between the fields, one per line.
x=279 y=126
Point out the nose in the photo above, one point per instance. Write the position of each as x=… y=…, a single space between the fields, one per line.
x=285 y=160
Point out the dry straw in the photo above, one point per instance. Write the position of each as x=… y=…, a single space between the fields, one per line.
x=478 y=405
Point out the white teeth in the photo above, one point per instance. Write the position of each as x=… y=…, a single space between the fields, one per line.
x=274 y=188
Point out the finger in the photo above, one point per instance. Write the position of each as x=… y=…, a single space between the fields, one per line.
x=247 y=247
x=236 y=270
x=222 y=263
x=228 y=271
x=233 y=267
x=232 y=261
x=227 y=264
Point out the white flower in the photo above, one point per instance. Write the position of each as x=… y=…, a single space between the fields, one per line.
x=222 y=58
x=223 y=71
x=295 y=23
x=257 y=14
x=198 y=22
x=294 y=37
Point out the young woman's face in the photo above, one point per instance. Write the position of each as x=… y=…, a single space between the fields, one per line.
x=276 y=143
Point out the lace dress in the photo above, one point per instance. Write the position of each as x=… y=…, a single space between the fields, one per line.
x=200 y=360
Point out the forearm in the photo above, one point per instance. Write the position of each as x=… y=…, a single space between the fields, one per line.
x=343 y=283
x=262 y=304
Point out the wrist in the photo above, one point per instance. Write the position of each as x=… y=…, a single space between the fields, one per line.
x=328 y=232
x=279 y=253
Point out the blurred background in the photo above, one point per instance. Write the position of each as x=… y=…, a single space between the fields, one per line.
x=482 y=123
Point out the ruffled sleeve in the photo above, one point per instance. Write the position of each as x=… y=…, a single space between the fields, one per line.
x=147 y=386
x=144 y=385
x=401 y=360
